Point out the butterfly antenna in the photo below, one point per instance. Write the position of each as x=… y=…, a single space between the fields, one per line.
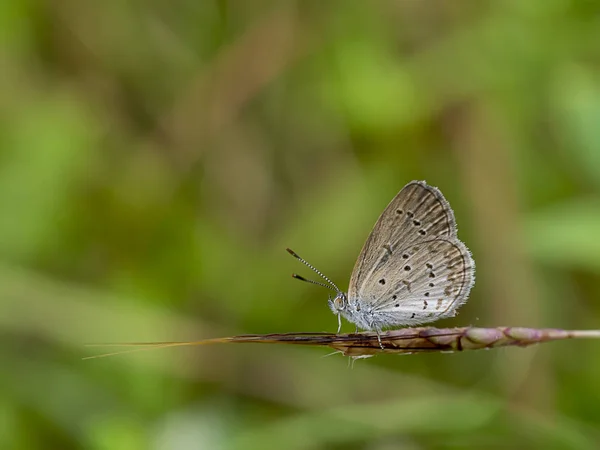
x=314 y=269
x=298 y=277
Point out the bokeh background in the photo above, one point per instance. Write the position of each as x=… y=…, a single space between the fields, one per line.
x=157 y=158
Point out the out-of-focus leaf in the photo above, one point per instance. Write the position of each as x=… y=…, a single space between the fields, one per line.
x=577 y=97
x=46 y=149
x=566 y=235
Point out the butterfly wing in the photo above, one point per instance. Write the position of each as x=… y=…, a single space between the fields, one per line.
x=415 y=231
x=417 y=213
x=428 y=282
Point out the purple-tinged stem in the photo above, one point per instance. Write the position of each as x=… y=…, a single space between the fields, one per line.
x=402 y=341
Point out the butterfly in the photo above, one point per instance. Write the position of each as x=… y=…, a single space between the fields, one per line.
x=412 y=269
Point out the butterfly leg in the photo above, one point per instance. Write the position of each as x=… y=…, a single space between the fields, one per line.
x=356 y=330
x=379 y=339
x=339 y=323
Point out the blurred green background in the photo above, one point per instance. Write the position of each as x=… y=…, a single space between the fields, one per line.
x=157 y=158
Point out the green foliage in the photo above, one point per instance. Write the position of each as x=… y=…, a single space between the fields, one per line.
x=156 y=158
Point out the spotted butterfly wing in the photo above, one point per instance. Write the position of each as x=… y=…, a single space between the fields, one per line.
x=412 y=268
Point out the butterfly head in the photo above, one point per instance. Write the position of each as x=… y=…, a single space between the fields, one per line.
x=339 y=303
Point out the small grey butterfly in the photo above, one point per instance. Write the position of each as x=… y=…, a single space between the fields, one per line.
x=412 y=269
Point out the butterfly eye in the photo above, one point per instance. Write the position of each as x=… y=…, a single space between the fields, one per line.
x=339 y=302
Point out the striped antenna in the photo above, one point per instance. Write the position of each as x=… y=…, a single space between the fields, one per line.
x=314 y=269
